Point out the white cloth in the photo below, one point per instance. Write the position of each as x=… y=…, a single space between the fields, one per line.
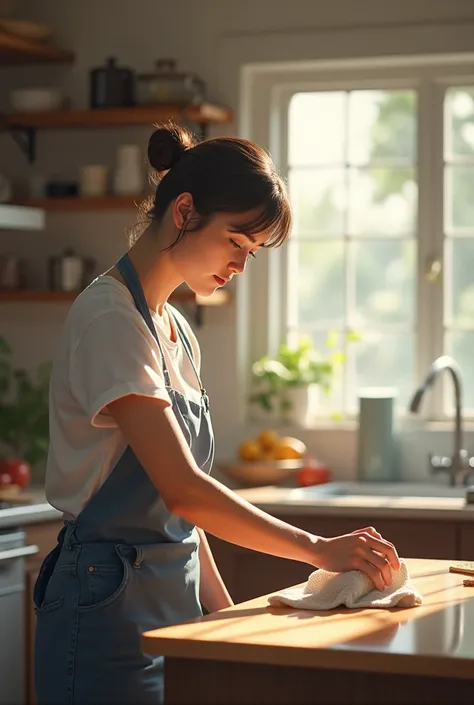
x=105 y=351
x=326 y=591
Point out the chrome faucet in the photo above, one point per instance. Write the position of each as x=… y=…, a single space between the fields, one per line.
x=459 y=466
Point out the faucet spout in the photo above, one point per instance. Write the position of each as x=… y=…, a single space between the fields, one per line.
x=457 y=468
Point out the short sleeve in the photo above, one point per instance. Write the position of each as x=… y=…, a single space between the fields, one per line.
x=116 y=355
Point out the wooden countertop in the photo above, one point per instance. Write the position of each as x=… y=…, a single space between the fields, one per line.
x=435 y=639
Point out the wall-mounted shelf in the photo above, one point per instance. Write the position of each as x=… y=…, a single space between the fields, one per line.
x=42 y=296
x=205 y=114
x=23 y=126
x=64 y=205
x=18 y=50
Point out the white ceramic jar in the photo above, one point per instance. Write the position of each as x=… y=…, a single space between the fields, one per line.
x=129 y=176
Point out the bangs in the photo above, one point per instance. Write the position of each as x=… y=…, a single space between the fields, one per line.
x=274 y=219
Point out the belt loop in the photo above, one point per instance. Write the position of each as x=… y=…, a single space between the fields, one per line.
x=69 y=534
x=138 y=557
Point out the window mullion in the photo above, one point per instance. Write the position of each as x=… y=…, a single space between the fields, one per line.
x=430 y=236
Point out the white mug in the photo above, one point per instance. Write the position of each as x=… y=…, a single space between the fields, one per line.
x=93 y=180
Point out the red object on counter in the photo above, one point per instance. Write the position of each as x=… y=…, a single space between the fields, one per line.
x=314 y=472
x=17 y=469
x=5 y=479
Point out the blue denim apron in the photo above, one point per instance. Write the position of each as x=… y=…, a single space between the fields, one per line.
x=125 y=565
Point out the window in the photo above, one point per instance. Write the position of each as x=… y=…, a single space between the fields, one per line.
x=459 y=233
x=379 y=160
x=352 y=176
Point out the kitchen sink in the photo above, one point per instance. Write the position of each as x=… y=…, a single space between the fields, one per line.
x=377 y=489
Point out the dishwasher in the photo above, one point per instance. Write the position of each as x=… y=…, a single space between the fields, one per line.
x=12 y=620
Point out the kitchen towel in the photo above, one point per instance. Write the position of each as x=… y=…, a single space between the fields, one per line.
x=325 y=591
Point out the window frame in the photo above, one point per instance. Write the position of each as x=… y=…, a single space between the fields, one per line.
x=266 y=91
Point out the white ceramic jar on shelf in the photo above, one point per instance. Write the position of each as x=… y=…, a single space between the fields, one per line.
x=129 y=174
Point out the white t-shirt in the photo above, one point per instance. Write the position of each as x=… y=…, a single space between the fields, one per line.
x=105 y=351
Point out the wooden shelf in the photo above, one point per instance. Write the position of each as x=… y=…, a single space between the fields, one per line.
x=219 y=298
x=62 y=205
x=17 y=50
x=204 y=114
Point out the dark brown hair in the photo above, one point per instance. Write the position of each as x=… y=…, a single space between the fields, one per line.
x=223 y=175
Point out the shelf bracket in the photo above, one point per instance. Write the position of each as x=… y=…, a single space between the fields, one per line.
x=25 y=137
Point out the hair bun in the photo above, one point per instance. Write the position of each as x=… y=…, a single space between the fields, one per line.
x=167 y=145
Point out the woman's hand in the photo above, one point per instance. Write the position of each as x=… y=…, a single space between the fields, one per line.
x=363 y=550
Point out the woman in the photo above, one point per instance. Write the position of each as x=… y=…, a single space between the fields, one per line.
x=131 y=438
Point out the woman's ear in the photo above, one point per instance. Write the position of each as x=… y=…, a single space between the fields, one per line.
x=183 y=210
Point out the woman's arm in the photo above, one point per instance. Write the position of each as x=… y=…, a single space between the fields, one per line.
x=151 y=429
x=212 y=590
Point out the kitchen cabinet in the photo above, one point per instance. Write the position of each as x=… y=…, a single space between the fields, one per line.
x=249 y=574
x=466 y=542
x=44 y=536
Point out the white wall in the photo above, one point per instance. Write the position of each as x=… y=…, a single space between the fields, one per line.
x=214 y=38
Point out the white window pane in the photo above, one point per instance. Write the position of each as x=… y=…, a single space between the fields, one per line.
x=460 y=345
x=385 y=283
x=459 y=185
x=316 y=128
x=460 y=283
x=318 y=198
x=384 y=360
x=382 y=202
x=459 y=117
x=317 y=280
x=382 y=126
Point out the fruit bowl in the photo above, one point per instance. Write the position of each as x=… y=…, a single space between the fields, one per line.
x=257 y=473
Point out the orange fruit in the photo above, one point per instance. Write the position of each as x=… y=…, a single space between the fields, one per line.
x=250 y=450
x=289 y=448
x=268 y=439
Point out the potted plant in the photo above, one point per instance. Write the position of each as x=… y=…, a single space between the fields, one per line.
x=24 y=418
x=290 y=383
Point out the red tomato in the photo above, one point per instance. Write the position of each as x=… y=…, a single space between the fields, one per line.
x=313 y=475
x=19 y=471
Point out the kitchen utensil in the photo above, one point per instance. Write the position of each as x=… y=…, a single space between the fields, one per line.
x=129 y=177
x=93 y=180
x=166 y=85
x=69 y=271
x=36 y=99
x=260 y=472
x=463 y=568
x=111 y=86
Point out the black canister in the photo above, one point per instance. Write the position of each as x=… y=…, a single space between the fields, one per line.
x=112 y=86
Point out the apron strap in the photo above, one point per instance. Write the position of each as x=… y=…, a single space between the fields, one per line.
x=128 y=272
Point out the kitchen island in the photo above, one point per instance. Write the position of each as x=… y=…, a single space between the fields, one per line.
x=256 y=654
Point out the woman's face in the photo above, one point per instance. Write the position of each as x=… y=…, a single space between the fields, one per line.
x=209 y=257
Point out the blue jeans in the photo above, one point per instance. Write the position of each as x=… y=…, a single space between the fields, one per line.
x=89 y=625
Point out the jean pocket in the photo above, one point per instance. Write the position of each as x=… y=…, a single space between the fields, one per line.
x=50 y=586
x=102 y=583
